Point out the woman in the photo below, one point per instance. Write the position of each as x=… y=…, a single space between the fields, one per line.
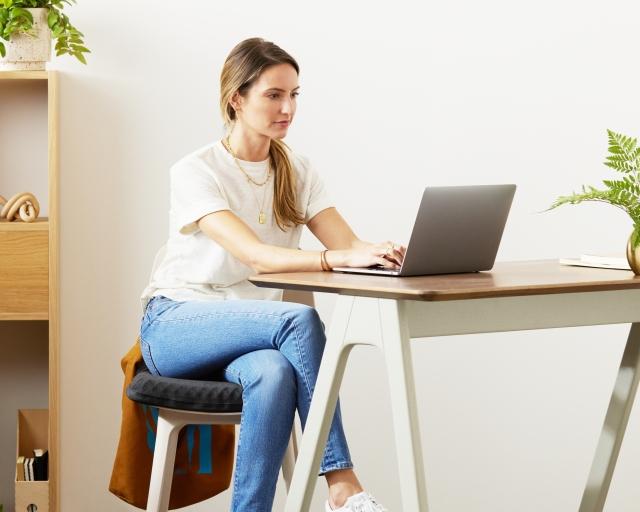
x=237 y=208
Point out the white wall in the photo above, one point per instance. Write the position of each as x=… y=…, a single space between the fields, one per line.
x=457 y=92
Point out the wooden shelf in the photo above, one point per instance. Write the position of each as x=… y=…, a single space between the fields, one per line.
x=18 y=317
x=24 y=75
x=40 y=224
x=29 y=271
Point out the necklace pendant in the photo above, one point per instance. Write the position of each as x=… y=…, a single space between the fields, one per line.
x=262 y=218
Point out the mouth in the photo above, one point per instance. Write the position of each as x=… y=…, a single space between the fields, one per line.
x=283 y=123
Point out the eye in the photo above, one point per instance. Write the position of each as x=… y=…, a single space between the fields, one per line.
x=276 y=95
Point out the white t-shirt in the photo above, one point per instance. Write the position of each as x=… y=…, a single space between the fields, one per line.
x=194 y=266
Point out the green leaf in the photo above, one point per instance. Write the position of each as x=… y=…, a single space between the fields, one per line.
x=52 y=18
x=3 y=52
x=18 y=12
x=80 y=57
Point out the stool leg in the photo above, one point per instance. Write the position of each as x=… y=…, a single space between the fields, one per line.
x=164 y=458
x=289 y=461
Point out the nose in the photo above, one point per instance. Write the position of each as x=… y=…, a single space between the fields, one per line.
x=287 y=106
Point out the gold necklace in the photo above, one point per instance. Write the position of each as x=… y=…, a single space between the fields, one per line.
x=227 y=144
x=262 y=217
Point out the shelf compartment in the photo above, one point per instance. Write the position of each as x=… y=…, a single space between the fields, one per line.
x=32 y=432
x=24 y=274
x=32 y=493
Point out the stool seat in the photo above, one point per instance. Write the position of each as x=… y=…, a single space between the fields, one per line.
x=184 y=394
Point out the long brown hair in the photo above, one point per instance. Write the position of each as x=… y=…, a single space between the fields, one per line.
x=241 y=69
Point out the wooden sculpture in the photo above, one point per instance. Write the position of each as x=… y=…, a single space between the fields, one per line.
x=23 y=206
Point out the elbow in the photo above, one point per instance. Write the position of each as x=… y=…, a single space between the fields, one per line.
x=255 y=265
x=256 y=261
x=258 y=269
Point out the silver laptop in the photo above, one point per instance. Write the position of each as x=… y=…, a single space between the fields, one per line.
x=458 y=229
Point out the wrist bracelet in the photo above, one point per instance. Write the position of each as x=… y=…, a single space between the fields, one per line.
x=323 y=261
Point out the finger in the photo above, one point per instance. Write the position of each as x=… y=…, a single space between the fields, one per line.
x=397 y=255
x=393 y=257
x=388 y=263
x=400 y=248
x=388 y=254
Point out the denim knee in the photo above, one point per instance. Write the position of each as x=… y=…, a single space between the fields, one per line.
x=273 y=375
x=308 y=317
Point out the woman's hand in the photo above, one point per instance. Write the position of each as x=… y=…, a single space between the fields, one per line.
x=365 y=254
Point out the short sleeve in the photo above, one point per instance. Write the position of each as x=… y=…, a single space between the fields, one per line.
x=194 y=194
x=318 y=196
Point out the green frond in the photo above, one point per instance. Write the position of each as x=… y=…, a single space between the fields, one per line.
x=624 y=152
x=620 y=163
x=620 y=196
x=621 y=143
x=624 y=156
x=626 y=184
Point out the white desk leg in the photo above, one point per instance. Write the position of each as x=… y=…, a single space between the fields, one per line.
x=323 y=404
x=615 y=424
x=397 y=353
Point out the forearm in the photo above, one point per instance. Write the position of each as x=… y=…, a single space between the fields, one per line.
x=270 y=259
x=356 y=243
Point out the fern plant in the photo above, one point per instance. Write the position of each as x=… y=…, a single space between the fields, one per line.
x=624 y=157
x=14 y=18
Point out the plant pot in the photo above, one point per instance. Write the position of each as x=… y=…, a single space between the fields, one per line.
x=633 y=251
x=29 y=51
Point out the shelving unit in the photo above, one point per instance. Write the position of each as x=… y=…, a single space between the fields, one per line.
x=29 y=257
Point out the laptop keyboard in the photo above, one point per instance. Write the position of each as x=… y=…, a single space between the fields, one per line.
x=384 y=269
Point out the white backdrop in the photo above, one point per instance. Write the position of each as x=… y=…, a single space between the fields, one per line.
x=405 y=94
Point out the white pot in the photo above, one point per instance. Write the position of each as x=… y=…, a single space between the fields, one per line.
x=29 y=51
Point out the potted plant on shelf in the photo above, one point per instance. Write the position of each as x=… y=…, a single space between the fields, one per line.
x=624 y=157
x=27 y=28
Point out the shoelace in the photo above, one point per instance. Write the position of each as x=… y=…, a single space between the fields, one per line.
x=367 y=504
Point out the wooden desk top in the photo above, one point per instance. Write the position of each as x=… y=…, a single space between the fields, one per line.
x=511 y=278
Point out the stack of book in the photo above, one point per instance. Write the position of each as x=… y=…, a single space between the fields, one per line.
x=33 y=468
x=598 y=261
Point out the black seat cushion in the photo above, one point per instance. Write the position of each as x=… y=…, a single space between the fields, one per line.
x=184 y=394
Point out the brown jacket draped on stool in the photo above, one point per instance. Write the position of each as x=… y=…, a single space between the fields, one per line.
x=132 y=466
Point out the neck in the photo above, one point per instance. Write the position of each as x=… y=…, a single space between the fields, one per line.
x=247 y=146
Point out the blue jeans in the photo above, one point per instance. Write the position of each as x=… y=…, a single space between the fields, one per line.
x=273 y=349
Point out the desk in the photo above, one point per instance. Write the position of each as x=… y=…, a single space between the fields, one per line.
x=387 y=312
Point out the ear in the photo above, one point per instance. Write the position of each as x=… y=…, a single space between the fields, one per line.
x=236 y=101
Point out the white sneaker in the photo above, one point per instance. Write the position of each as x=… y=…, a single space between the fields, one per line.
x=361 y=502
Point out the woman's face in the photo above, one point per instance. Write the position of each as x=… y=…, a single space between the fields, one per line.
x=270 y=104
